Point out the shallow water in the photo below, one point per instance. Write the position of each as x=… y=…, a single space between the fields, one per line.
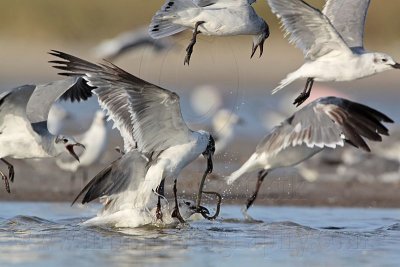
x=47 y=234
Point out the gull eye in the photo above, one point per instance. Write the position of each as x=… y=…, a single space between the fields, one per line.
x=384 y=60
x=65 y=140
x=187 y=203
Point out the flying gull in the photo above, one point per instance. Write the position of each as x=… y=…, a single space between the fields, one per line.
x=150 y=122
x=23 y=121
x=331 y=41
x=210 y=17
x=111 y=49
x=324 y=123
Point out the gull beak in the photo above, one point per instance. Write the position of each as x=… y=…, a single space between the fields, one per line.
x=254 y=49
x=70 y=149
x=202 y=210
x=396 y=66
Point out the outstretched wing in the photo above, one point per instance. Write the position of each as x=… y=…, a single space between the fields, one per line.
x=44 y=96
x=348 y=18
x=145 y=114
x=328 y=122
x=309 y=29
x=222 y=3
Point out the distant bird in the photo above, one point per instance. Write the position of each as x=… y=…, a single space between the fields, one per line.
x=111 y=49
x=157 y=142
x=331 y=40
x=23 y=122
x=328 y=122
x=210 y=17
x=95 y=142
x=224 y=126
x=207 y=102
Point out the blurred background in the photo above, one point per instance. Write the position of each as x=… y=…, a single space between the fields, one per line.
x=29 y=29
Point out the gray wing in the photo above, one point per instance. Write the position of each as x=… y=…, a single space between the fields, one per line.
x=348 y=18
x=309 y=29
x=124 y=174
x=44 y=96
x=113 y=48
x=150 y=115
x=222 y=3
x=328 y=122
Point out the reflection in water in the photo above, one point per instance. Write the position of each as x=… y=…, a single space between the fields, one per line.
x=284 y=237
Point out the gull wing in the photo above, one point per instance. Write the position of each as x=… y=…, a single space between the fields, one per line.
x=328 y=122
x=309 y=29
x=124 y=174
x=146 y=115
x=44 y=96
x=348 y=18
x=222 y=3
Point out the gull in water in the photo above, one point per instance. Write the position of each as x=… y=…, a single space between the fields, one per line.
x=131 y=217
x=114 y=48
x=23 y=122
x=331 y=41
x=328 y=122
x=117 y=187
x=210 y=17
x=95 y=142
x=150 y=122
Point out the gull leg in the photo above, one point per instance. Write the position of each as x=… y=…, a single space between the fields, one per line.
x=11 y=172
x=250 y=201
x=189 y=49
x=6 y=183
x=160 y=192
x=176 y=213
x=305 y=94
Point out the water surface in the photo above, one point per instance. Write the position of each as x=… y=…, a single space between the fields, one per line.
x=48 y=234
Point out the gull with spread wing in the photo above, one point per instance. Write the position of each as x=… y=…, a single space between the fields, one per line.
x=210 y=17
x=327 y=122
x=331 y=41
x=23 y=122
x=149 y=120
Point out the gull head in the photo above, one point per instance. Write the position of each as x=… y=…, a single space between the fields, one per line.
x=258 y=40
x=63 y=143
x=187 y=208
x=384 y=62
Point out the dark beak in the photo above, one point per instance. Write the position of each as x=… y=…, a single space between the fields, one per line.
x=203 y=210
x=396 y=66
x=70 y=149
x=254 y=49
x=209 y=163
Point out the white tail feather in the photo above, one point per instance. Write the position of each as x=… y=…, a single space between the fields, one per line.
x=250 y=165
x=291 y=77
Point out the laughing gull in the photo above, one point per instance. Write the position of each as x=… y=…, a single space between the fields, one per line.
x=113 y=48
x=331 y=41
x=129 y=217
x=210 y=17
x=328 y=122
x=118 y=185
x=95 y=141
x=150 y=121
x=23 y=122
